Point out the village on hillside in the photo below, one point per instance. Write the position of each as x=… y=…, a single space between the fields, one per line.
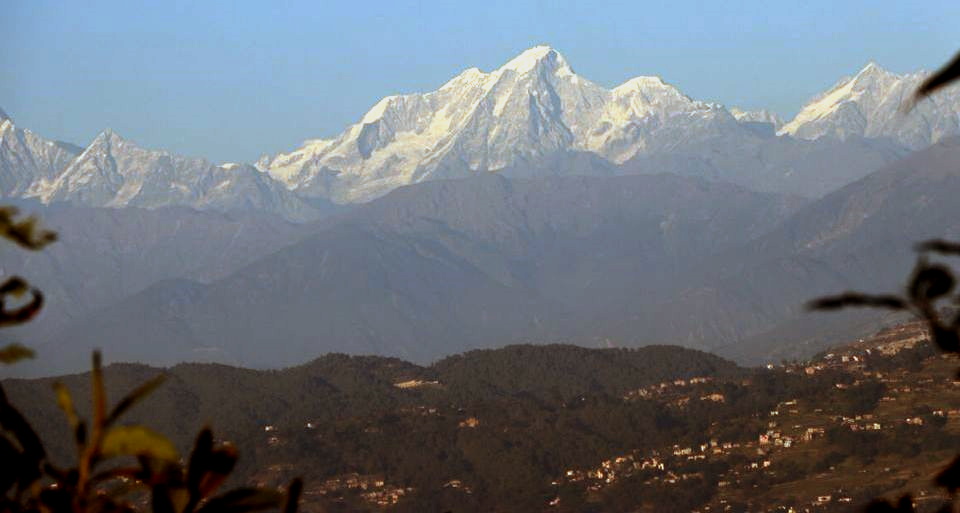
x=789 y=462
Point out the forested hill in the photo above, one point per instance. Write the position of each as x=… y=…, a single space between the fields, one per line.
x=240 y=402
x=560 y=428
x=566 y=371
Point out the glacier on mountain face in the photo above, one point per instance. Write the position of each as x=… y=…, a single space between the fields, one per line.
x=533 y=116
x=114 y=172
x=757 y=116
x=531 y=108
x=28 y=161
x=536 y=109
x=872 y=104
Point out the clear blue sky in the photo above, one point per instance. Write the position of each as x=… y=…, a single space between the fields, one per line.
x=233 y=80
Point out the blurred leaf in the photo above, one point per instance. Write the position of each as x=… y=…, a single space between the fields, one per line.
x=208 y=467
x=161 y=501
x=133 y=397
x=99 y=394
x=81 y=434
x=941 y=78
x=199 y=461
x=904 y=505
x=14 y=422
x=65 y=402
x=153 y=471
x=939 y=246
x=949 y=477
x=293 y=496
x=243 y=499
x=56 y=500
x=13 y=353
x=16 y=286
x=31 y=450
x=947 y=339
x=8 y=471
x=25 y=232
x=855 y=299
x=180 y=498
x=221 y=463
x=930 y=282
x=138 y=441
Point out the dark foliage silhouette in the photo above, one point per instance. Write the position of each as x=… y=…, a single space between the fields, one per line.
x=928 y=297
x=944 y=76
x=118 y=467
x=24 y=233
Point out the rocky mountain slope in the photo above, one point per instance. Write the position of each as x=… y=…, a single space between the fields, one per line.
x=28 y=160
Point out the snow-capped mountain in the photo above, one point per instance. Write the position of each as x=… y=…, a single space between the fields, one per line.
x=114 y=172
x=533 y=116
x=27 y=160
x=872 y=104
x=533 y=107
x=757 y=116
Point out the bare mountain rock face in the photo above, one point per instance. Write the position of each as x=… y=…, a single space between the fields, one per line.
x=27 y=160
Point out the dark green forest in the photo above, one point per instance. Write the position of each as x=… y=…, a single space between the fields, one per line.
x=503 y=426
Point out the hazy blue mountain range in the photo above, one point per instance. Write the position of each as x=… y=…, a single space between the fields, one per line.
x=442 y=267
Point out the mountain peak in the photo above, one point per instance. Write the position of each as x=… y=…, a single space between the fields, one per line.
x=756 y=116
x=537 y=57
x=643 y=83
x=106 y=142
x=872 y=69
x=107 y=135
x=3 y=115
x=869 y=104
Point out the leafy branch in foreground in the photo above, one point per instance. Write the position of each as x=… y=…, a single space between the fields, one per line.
x=24 y=232
x=944 y=76
x=929 y=296
x=118 y=467
x=929 y=285
x=121 y=468
x=27 y=235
